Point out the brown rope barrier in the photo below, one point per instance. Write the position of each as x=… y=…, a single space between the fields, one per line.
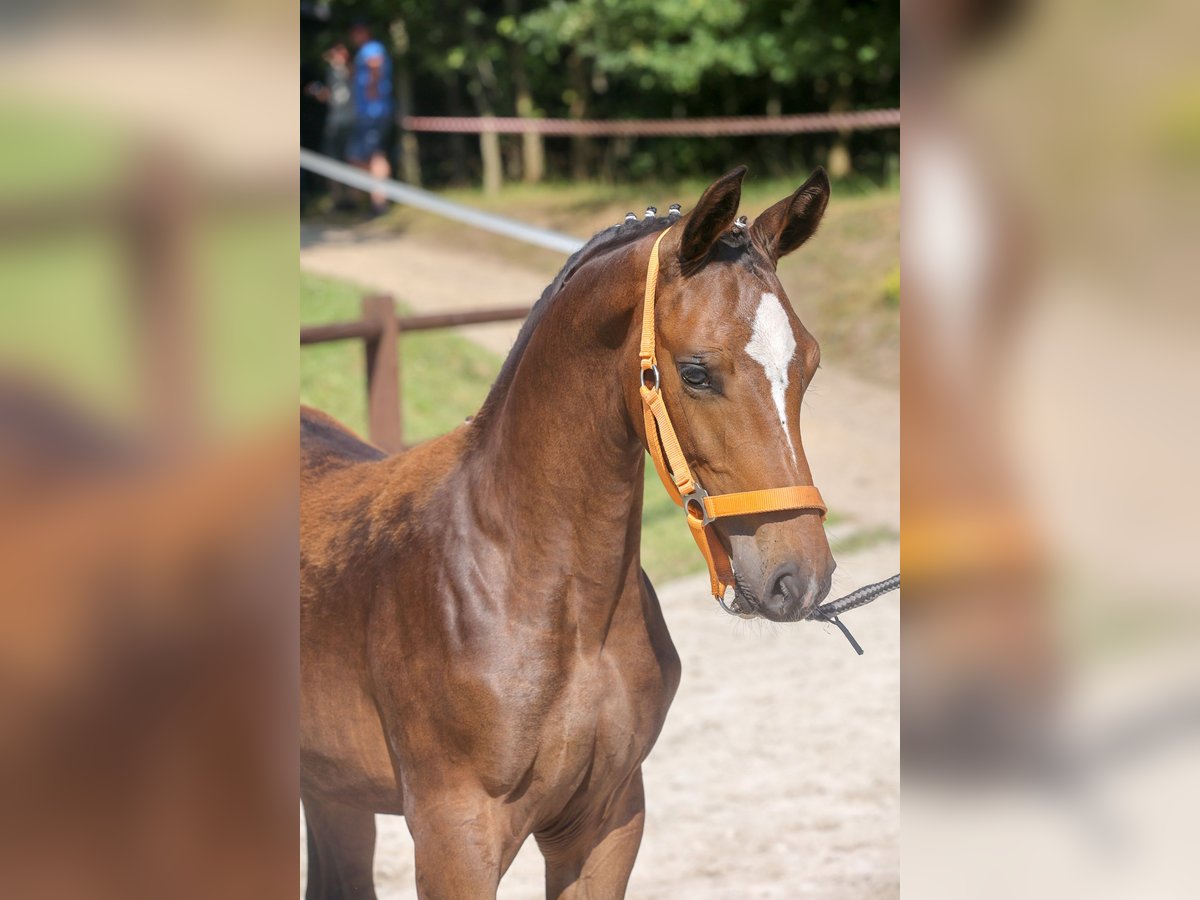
x=807 y=123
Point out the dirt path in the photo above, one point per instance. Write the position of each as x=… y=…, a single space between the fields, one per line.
x=777 y=774
x=426 y=276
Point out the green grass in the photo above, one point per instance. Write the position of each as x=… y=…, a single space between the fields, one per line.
x=46 y=151
x=445 y=378
x=863 y=539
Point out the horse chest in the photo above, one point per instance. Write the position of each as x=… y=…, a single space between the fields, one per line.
x=614 y=704
x=599 y=730
x=527 y=708
x=551 y=726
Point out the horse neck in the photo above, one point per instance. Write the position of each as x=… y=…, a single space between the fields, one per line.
x=557 y=466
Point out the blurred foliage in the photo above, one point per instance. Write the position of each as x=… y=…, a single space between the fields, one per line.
x=608 y=59
x=680 y=47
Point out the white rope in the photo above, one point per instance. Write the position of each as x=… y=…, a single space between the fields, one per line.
x=430 y=202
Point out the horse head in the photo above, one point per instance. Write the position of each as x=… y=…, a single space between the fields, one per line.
x=734 y=363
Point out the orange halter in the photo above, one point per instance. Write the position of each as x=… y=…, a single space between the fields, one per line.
x=698 y=505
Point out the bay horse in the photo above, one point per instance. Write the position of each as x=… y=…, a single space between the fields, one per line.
x=481 y=651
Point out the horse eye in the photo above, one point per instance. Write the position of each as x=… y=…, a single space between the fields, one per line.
x=696 y=376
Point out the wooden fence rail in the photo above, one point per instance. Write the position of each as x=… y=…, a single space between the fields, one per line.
x=804 y=123
x=380 y=328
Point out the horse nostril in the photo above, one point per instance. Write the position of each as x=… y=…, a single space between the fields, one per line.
x=787 y=589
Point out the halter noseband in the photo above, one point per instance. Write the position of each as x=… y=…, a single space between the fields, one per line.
x=699 y=507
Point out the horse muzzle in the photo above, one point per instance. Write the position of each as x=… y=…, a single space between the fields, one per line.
x=792 y=591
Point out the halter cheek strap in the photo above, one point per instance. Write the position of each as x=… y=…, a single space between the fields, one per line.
x=699 y=507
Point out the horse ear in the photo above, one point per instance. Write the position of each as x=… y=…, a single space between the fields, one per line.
x=711 y=218
x=793 y=220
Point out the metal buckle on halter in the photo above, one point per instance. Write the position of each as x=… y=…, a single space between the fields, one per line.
x=651 y=369
x=735 y=609
x=697 y=496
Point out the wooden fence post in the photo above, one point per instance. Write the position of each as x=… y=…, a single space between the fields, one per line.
x=384 y=416
x=159 y=228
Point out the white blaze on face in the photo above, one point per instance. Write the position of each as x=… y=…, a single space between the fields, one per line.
x=772 y=345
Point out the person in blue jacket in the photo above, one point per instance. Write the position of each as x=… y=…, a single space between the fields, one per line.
x=373 y=107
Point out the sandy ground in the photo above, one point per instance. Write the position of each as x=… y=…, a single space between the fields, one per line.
x=777 y=773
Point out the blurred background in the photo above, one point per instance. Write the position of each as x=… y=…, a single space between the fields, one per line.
x=1051 y=691
x=147 y=446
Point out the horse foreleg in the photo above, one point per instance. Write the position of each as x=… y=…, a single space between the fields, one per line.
x=594 y=861
x=462 y=847
x=341 y=851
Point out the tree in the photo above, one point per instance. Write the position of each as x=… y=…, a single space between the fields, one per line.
x=640 y=59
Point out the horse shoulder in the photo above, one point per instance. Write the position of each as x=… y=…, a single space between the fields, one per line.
x=359 y=506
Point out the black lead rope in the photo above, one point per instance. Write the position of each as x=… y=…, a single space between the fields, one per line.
x=828 y=612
